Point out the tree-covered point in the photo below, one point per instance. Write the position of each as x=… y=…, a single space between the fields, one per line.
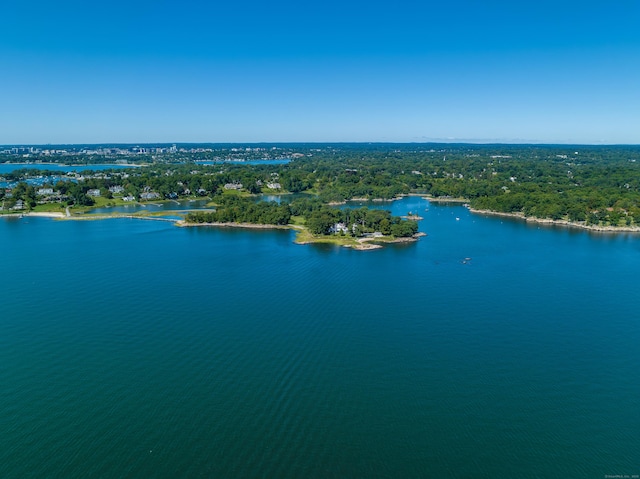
x=320 y=218
x=234 y=209
x=323 y=219
x=358 y=222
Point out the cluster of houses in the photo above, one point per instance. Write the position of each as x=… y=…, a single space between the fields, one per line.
x=272 y=184
x=49 y=194
x=146 y=195
x=118 y=190
x=236 y=185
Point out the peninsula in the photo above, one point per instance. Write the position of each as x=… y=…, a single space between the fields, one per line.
x=315 y=222
x=593 y=187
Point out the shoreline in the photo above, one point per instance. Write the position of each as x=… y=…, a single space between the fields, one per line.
x=532 y=219
x=83 y=217
x=182 y=223
x=363 y=200
x=564 y=223
x=441 y=199
x=359 y=244
x=32 y=214
x=46 y=214
x=255 y=226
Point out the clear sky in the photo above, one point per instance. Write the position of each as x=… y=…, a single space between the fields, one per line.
x=75 y=71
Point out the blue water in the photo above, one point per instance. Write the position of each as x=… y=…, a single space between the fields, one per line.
x=490 y=348
x=167 y=206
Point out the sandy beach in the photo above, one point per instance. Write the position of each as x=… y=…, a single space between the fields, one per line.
x=43 y=214
x=46 y=214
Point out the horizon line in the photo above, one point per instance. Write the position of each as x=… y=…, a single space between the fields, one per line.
x=426 y=142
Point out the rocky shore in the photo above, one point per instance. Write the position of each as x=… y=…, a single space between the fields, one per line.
x=566 y=223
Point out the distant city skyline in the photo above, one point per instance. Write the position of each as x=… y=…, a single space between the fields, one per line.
x=254 y=72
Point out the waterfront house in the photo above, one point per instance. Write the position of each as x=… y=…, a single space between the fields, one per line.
x=149 y=195
x=339 y=228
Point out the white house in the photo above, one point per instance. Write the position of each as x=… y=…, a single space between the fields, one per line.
x=339 y=228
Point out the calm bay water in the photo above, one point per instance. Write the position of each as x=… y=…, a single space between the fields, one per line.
x=164 y=206
x=137 y=349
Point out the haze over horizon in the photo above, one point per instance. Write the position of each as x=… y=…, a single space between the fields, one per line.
x=199 y=72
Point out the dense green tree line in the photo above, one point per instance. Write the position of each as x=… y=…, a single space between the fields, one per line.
x=597 y=185
x=235 y=209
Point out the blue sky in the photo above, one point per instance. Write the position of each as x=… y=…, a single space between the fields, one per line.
x=247 y=71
